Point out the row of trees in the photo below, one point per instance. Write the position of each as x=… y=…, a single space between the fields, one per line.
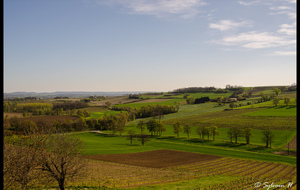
x=195 y=89
x=115 y=123
x=233 y=133
x=70 y=105
x=191 y=100
x=201 y=131
x=149 y=110
x=42 y=108
x=28 y=126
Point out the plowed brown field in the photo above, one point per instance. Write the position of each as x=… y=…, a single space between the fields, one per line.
x=156 y=158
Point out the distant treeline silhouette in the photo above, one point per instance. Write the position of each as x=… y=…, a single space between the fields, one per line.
x=70 y=105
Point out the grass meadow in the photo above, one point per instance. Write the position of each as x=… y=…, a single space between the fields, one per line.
x=283 y=111
x=141 y=104
x=97 y=143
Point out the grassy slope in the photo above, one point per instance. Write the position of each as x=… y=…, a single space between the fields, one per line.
x=104 y=144
x=191 y=184
x=211 y=114
x=141 y=104
x=280 y=139
x=288 y=111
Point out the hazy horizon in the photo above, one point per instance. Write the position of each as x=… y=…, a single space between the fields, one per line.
x=145 y=91
x=142 y=45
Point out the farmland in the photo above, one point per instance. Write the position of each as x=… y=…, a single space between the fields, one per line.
x=168 y=161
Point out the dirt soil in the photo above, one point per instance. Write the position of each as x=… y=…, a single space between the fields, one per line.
x=293 y=143
x=286 y=153
x=155 y=159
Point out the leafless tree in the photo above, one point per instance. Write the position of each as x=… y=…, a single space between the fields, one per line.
x=21 y=159
x=131 y=135
x=62 y=158
x=143 y=138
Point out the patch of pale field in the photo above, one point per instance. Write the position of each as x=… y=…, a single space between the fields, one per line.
x=12 y=114
x=153 y=100
x=292 y=144
x=114 y=101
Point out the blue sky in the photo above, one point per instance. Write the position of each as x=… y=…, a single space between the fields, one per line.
x=147 y=45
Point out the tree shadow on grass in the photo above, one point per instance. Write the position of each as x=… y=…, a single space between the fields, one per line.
x=229 y=144
x=198 y=140
x=105 y=135
x=257 y=149
x=290 y=107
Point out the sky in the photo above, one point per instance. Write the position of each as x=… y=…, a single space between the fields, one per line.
x=147 y=45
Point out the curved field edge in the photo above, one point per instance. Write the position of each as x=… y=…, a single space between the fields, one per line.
x=103 y=144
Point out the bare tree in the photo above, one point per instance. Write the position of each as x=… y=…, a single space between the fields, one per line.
x=268 y=136
x=141 y=125
x=236 y=132
x=131 y=135
x=143 y=138
x=286 y=100
x=277 y=91
x=108 y=104
x=62 y=158
x=247 y=134
x=187 y=130
x=214 y=131
x=161 y=128
x=207 y=131
x=275 y=101
x=121 y=128
x=199 y=131
x=230 y=134
x=177 y=128
x=21 y=159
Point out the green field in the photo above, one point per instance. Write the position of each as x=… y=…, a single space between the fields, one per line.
x=280 y=139
x=141 y=104
x=104 y=144
x=288 y=111
x=97 y=115
x=269 y=104
x=237 y=117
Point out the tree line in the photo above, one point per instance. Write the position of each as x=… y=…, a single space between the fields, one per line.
x=194 y=89
x=234 y=133
x=41 y=108
x=149 y=110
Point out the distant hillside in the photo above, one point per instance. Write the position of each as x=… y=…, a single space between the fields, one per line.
x=71 y=94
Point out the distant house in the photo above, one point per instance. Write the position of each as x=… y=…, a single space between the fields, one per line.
x=232 y=99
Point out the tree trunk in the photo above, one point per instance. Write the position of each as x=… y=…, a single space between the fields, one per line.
x=61 y=184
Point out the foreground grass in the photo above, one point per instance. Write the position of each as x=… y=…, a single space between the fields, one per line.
x=191 y=184
x=106 y=144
